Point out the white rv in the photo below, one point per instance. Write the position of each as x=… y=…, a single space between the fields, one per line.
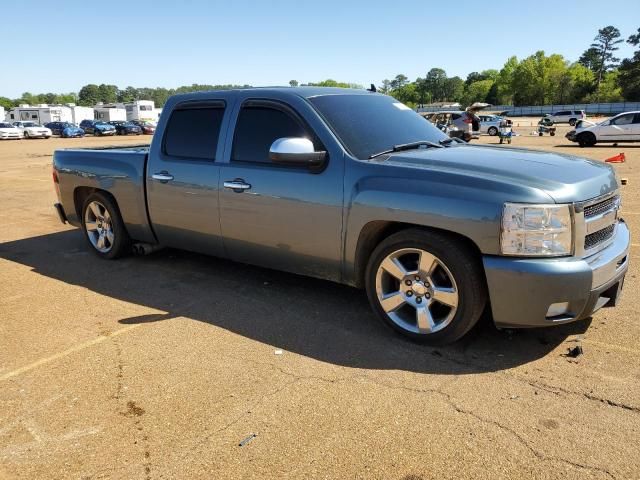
x=143 y=110
x=40 y=114
x=109 y=112
x=80 y=113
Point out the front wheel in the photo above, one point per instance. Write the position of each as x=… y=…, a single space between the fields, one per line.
x=493 y=131
x=427 y=286
x=103 y=227
x=26 y=134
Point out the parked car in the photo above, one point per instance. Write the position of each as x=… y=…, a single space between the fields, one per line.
x=624 y=127
x=126 y=128
x=71 y=130
x=567 y=116
x=148 y=128
x=458 y=123
x=56 y=127
x=435 y=231
x=9 y=132
x=490 y=124
x=32 y=130
x=97 y=127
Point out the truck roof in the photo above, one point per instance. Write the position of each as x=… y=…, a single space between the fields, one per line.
x=306 y=92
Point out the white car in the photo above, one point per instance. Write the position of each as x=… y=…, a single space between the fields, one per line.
x=32 y=130
x=567 y=116
x=490 y=124
x=9 y=132
x=624 y=127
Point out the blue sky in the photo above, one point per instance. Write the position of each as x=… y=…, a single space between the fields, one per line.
x=60 y=46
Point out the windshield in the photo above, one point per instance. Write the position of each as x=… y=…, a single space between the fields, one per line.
x=30 y=124
x=6 y=125
x=368 y=124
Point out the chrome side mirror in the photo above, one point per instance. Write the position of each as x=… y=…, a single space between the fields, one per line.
x=294 y=151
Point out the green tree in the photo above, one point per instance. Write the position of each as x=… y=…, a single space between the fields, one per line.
x=399 y=81
x=108 y=93
x=293 y=83
x=453 y=89
x=89 y=95
x=385 y=87
x=7 y=103
x=629 y=72
x=435 y=81
x=591 y=59
x=608 y=91
x=477 y=91
x=504 y=82
x=605 y=45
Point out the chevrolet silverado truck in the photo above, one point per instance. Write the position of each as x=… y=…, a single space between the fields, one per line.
x=355 y=187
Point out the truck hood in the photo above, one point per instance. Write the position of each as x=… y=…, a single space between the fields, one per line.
x=565 y=178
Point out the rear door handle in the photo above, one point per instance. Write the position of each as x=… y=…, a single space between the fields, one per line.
x=164 y=177
x=238 y=185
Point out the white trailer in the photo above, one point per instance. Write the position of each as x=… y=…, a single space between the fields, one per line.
x=109 y=113
x=81 y=113
x=40 y=114
x=143 y=110
x=2 y=114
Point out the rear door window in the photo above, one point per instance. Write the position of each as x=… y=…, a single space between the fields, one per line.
x=193 y=132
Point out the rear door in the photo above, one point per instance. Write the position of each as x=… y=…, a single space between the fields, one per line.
x=286 y=218
x=182 y=177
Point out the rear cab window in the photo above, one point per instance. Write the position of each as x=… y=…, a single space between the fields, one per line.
x=192 y=131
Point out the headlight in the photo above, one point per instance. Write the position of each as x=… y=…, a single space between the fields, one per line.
x=536 y=230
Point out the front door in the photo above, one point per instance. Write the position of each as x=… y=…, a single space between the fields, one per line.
x=182 y=178
x=620 y=128
x=286 y=218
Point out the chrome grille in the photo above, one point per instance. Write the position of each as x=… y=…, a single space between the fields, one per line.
x=598 y=237
x=601 y=207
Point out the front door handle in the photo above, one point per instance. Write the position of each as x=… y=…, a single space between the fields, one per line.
x=238 y=185
x=164 y=177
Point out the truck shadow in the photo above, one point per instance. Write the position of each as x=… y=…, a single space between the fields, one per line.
x=318 y=319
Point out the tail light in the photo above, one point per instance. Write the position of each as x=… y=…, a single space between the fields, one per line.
x=54 y=174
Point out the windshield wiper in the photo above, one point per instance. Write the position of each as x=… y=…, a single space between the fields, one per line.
x=406 y=146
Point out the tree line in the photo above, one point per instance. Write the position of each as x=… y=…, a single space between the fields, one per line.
x=540 y=79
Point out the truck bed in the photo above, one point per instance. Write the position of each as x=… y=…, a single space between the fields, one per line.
x=120 y=170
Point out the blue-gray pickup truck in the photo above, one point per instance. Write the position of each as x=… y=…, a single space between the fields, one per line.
x=355 y=187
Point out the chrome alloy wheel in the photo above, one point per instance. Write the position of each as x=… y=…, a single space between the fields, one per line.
x=416 y=290
x=99 y=228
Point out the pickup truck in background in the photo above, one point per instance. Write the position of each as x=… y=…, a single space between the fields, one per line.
x=355 y=187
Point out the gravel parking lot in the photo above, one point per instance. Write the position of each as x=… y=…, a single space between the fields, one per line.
x=178 y=365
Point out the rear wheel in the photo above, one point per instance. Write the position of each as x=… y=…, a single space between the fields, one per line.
x=103 y=227
x=493 y=131
x=426 y=286
x=572 y=122
x=26 y=134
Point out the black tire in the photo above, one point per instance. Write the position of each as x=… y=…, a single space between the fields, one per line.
x=586 y=139
x=572 y=122
x=122 y=242
x=462 y=265
x=553 y=134
x=493 y=131
x=540 y=134
x=97 y=133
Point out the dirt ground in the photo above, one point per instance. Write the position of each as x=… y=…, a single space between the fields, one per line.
x=167 y=366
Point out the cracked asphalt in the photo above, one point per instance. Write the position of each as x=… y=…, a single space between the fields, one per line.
x=163 y=366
